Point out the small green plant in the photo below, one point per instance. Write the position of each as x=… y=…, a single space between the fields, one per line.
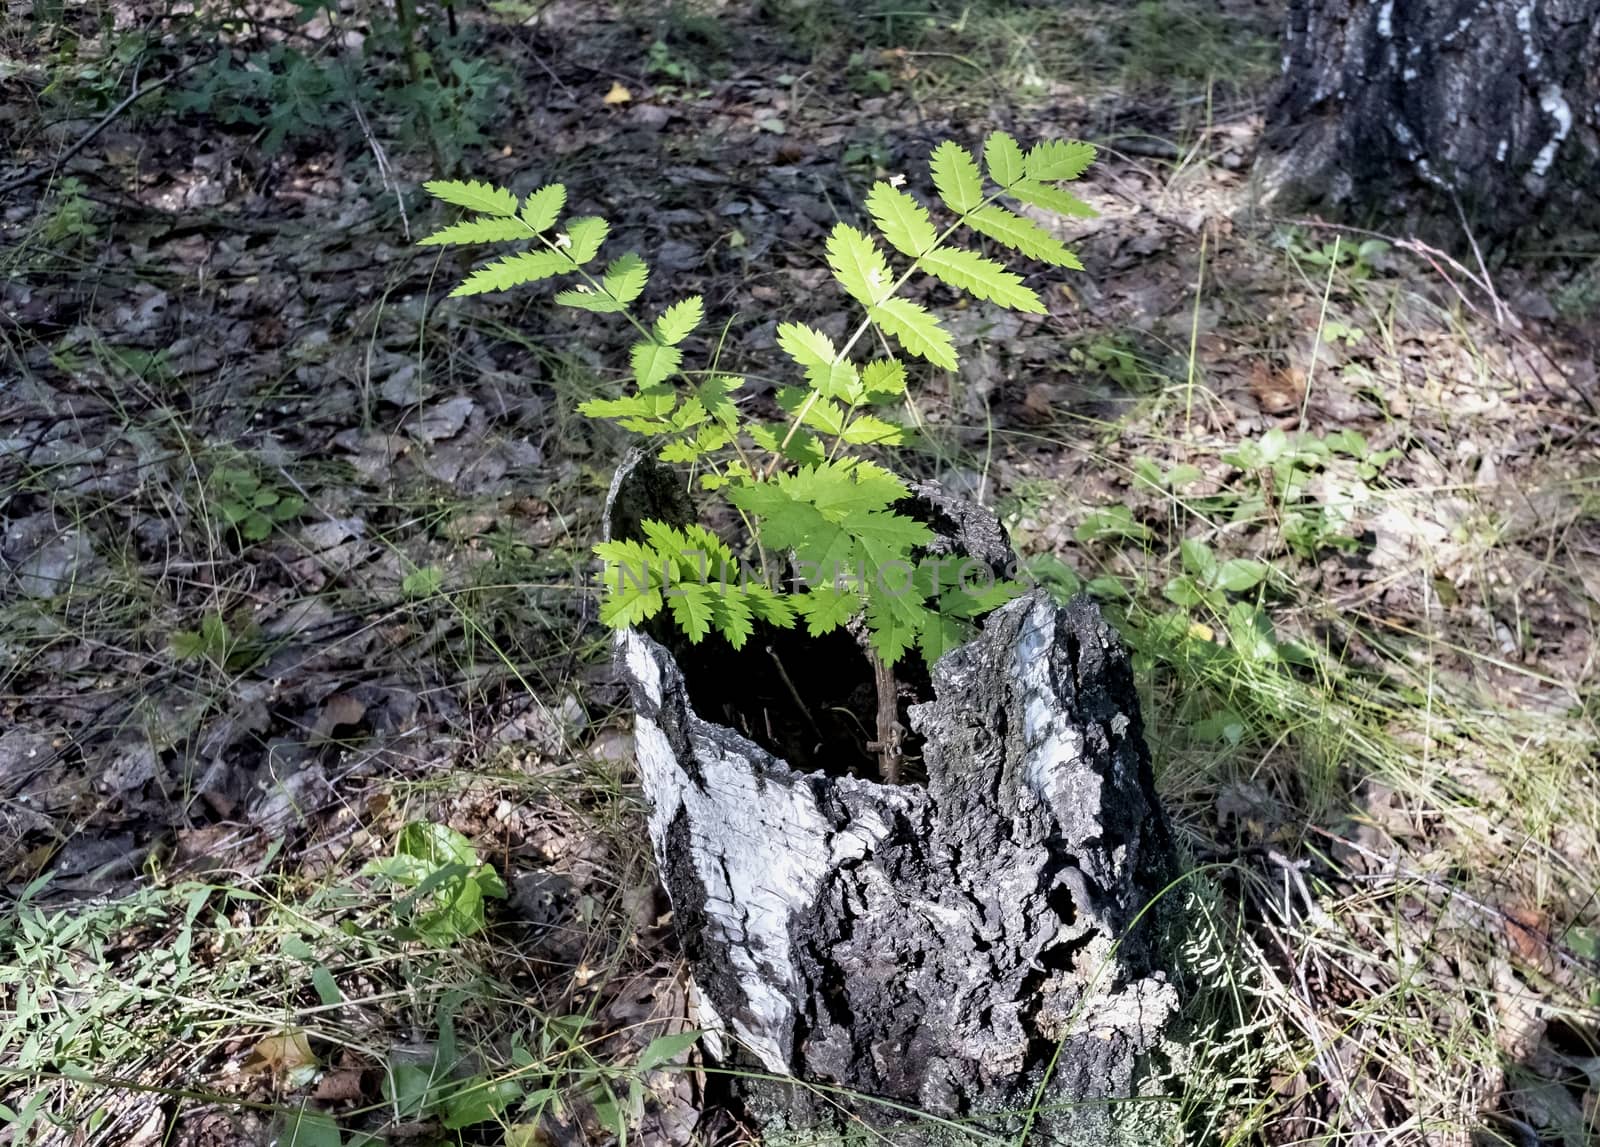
x=805 y=486
x=249 y=504
x=447 y=883
x=216 y=642
x=71 y=218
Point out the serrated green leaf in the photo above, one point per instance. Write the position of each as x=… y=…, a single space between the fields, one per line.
x=943 y=633
x=541 y=209
x=484 y=198
x=1059 y=159
x=691 y=413
x=1023 y=235
x=917 y=329
x=632 y=582
x=814 y=351
x=490 y=230
x=891 y=631
x=626 y=277
x=513 y=271
x=678 y=320
x=693 y=606
x=733 y=616
x=903 y=221
x=956 y=177
x=826 y=609
x=1002 y=157
x=585 y=298
x=981 y=277
x=858 y=265
x=884 y=378
x=1051 y=199
x=657 y=403
x=773 y=608
x=653 y=363
x=866 y=430
x=584 y=237
x=822 y=414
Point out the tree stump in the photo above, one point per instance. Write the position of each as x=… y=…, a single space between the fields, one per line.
x=1403 y=109
x=913 y=957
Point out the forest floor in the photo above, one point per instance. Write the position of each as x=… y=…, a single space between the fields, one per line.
x=295 y=556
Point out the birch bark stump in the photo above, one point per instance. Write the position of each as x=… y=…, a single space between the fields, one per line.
x=1397 y=108
x=953 y=948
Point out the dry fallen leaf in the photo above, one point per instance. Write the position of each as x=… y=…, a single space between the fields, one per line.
x=618 y=94
x=287 y=1052
x=1277 y=392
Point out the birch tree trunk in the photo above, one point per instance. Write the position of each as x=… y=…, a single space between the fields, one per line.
x=897 y=958
x=1401 y=108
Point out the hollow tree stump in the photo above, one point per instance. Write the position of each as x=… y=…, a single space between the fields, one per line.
x=955 y=948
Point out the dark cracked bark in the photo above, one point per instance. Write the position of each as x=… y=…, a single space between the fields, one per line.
x=1398 y=109
x=931 y=946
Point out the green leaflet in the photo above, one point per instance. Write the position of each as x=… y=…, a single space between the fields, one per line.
x=884 y=379
x=1003 y=159
x=625 y=278
x=584 y=237
x=514 y=270
x=484 y=198
x=1023 y=235
x=1051 y=199
x=1056 y=160
x=813 y=350
x=678 y=320
x=984 y=278
x=490 y=230
x=916 y=328
x=858 y=265
x=903 y=221
x=956 y=177
x=541 y=209
x=653 y=363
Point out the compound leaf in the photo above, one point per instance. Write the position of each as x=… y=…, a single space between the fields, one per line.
x=1023 y=235
x=541 y=209
x=1003 y=158
x=512 y=271
x=1059 y=159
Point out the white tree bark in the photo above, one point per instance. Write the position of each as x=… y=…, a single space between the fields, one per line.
x=931 y=945
x=1401 y=108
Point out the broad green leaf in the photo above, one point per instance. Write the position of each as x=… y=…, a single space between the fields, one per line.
x=584 y=237
x=956 y=177
x=903 y=221
x=942 y=634
x=1051 y=199
x=478 y=1100
x=513 y=271
x=1239 y=574
x=814 y=351
x=541 y=209
x=1003 y=159
x=984 y=278
x=1198 y=558
x=858 y=265
x=1023 y=235
x=435 y=844
x=484 y=198
x=1059 y=159
x=625 y=278
x=678 y=320
x=490 y=230
x=653 y=363
x=666 y=1048
x=585 y=298
x=917 y=329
